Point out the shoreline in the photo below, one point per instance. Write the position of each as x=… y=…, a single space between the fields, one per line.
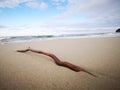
x=20 y=39
x=17 y=39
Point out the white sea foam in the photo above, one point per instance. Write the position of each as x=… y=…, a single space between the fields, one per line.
x=13 y=39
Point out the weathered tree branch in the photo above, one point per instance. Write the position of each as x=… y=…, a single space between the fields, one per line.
x=58 y=61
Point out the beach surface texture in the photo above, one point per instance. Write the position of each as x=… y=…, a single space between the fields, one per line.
x=33 y=71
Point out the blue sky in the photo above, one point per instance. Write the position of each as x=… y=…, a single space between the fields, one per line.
x=36 y=17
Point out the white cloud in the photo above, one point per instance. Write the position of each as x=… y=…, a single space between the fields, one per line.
x=56 y=1
x=11 y=3
x=91 y=7
x=79 y=27
x=100 y=11
x=16 y=3
x=43 y=5
x=34 y=4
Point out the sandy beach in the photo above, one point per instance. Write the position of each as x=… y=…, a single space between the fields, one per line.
x=32 y=71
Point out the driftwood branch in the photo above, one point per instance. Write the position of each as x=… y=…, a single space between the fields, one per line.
x=58 y=61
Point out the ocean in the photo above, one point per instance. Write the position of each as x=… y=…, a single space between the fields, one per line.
x=16 y=39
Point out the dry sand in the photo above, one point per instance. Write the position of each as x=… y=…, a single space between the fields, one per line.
x=31 y=71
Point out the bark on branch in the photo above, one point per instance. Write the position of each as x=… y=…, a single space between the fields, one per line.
x=58 y=61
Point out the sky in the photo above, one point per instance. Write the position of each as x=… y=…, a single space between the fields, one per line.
x=42 y=17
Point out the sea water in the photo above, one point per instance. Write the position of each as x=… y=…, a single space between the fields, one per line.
x=13 y=39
